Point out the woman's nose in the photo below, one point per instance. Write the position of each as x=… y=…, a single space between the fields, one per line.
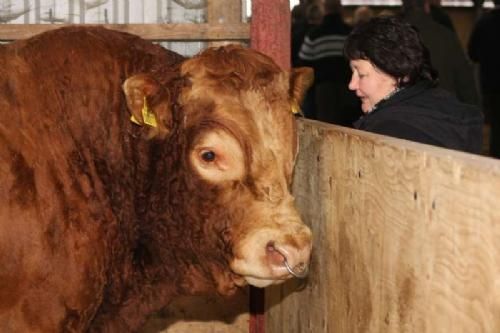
x=353 y=84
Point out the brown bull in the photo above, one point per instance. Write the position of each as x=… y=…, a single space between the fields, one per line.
x=130 y=175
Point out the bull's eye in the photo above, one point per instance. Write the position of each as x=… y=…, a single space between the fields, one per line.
x=208 y=156
x=217 y=156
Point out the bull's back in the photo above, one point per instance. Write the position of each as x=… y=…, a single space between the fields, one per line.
x=73 y=76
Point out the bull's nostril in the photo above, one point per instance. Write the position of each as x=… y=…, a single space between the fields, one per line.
x=270 y=247
x=274 y=256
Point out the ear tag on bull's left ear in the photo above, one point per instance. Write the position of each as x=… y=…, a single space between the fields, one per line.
x=135 y=121
x=148 y=115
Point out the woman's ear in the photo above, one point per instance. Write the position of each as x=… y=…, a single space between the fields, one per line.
x=141 y=91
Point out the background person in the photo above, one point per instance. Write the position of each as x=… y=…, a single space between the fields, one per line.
x=484 y=48
x=313 y=12
x=362 y=14
x=322 y=50
x=305 y=16
x=439 y=15
x=456 y=73
x=396 y=83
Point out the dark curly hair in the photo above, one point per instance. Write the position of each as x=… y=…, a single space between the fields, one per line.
x=393 y=46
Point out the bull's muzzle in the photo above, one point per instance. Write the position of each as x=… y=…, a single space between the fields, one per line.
x=294 y=259
x=274 y=253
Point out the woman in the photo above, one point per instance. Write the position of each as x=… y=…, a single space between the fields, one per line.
x=394 y=79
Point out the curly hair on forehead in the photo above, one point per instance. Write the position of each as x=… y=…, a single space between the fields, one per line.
x=393 y=46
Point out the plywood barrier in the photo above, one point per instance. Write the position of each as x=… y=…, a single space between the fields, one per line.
x=407 y=238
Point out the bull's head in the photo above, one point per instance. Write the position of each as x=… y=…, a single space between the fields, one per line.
x=230 y=186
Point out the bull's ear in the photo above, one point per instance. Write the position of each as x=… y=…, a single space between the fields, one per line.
x=148 y=103
x=301 y=79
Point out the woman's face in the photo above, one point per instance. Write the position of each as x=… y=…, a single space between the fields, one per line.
x=370 y=83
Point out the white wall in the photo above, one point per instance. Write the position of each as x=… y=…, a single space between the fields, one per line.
x=108 y=11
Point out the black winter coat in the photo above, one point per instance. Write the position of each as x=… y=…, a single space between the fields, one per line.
x=426 y=114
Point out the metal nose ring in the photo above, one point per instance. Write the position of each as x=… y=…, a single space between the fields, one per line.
x=299 y=275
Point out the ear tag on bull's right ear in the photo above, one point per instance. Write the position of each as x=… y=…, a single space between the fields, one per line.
x=148 y=115
x=296 y=108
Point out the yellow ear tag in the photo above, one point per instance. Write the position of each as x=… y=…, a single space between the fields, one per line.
x=147 y=115
x=296 y=108
x=135 y=121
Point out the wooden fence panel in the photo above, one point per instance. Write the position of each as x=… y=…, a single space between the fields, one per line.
x=406 y=238
x=155 y=32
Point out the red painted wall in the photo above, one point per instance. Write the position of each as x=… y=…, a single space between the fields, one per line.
x=270 y=29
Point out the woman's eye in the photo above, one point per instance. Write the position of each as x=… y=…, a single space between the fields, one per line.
x=208 y=156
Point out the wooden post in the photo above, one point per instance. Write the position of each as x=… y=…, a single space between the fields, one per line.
x=270 y=34
x=270 y=29
x=223 y=12
x=257 y=309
